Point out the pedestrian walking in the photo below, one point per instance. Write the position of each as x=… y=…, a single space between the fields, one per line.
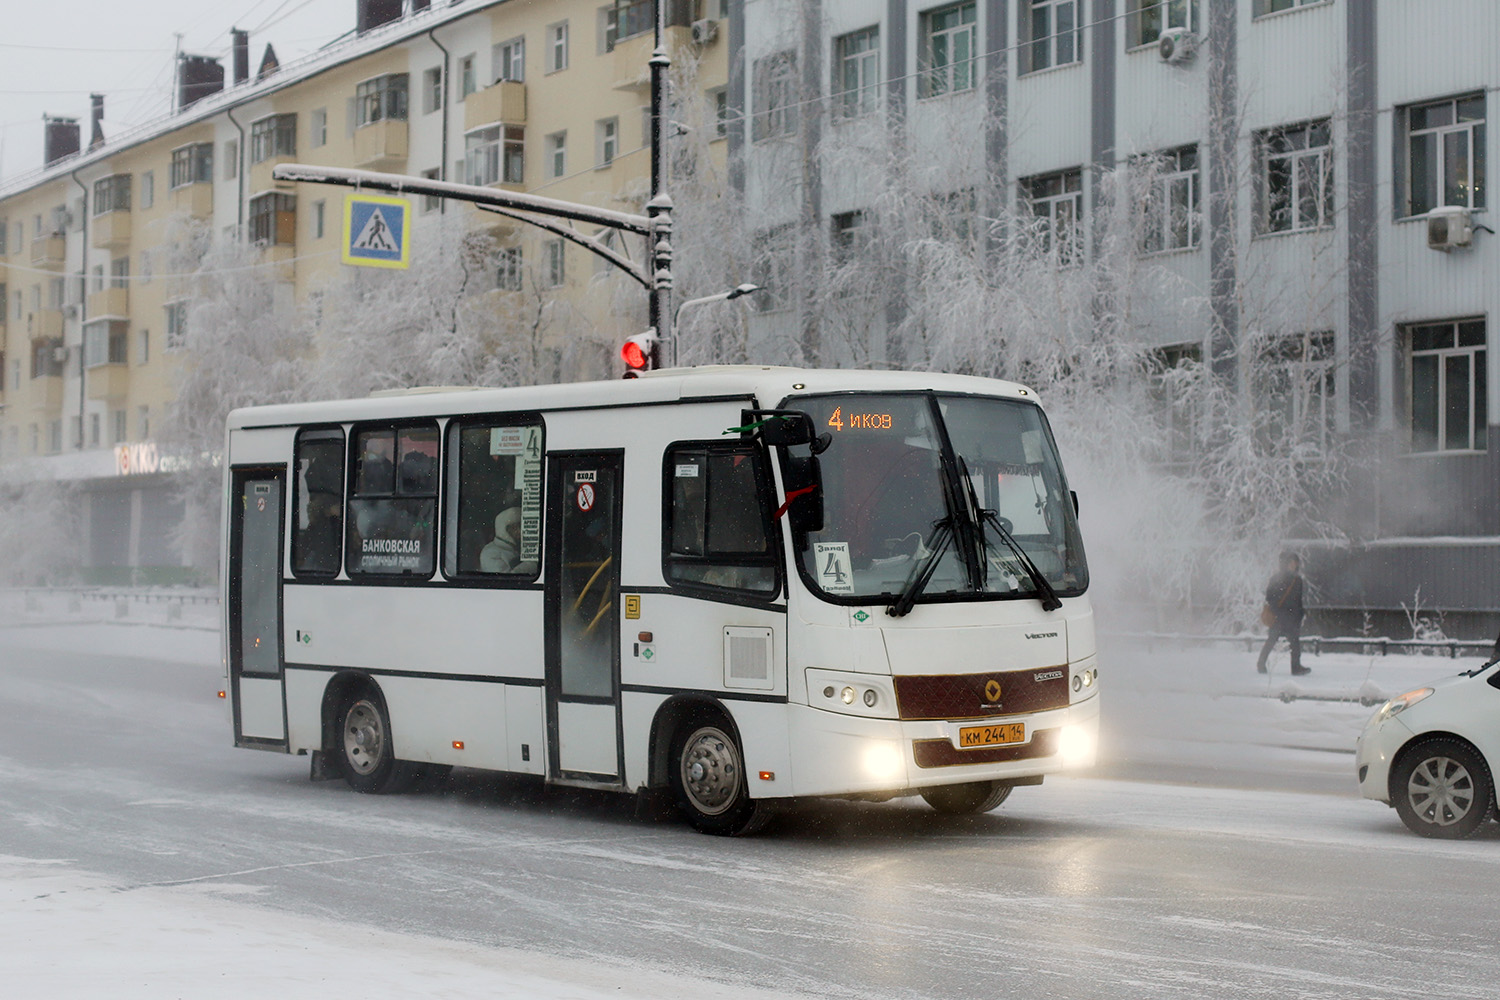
x=1283 y=612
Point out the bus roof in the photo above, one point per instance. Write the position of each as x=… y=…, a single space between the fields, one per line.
x=768 y=384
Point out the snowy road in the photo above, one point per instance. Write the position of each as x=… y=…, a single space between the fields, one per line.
x=115 y=766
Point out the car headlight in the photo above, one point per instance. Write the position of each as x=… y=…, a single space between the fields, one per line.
x=1401 y=703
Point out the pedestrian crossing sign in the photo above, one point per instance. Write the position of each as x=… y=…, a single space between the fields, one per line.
x=377 y=231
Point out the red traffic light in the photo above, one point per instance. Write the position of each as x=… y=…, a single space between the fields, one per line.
x=639 y=353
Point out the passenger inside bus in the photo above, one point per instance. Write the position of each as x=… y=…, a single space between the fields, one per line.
x=503 y=552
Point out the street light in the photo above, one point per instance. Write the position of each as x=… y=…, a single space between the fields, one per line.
x=729 y=295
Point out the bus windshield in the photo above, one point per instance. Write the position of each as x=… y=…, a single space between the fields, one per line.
x=954 y=486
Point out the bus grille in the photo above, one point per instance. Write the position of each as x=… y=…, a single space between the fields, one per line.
x=981 y=696
x=942 y=753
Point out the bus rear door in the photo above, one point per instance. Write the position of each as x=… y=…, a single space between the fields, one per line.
x=258 y=499
x=583 y=616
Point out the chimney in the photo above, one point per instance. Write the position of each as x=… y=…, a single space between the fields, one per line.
x=197 y=77
x=268 y=64
x=60 y=138
x=96 y=119
x=373 y=13
x=241 y=48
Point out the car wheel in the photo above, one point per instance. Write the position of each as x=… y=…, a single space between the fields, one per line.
x=708 y=777
x=1442 y=788
x=965 y=800
x=364 y=745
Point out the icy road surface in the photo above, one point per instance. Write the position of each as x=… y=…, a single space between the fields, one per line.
x=1220 y=852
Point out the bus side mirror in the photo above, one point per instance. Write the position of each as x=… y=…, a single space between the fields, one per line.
x=779 y=428
x=803 y=478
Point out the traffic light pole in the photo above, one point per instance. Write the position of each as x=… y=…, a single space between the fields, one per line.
x=659 y=208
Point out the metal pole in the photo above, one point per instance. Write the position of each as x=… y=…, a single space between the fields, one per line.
x=659 y=208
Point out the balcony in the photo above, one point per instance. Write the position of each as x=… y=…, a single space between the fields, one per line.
x=108 y=382
x=111 y=231
x=196 y=200
x=380 y=145
x=48 y=251
x=504 y=102
x=44 y=324
x=47 y=393
x=109 y=302
x=633 y=56
x=260 y=173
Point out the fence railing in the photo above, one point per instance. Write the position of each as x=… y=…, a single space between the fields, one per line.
x=1316 y=644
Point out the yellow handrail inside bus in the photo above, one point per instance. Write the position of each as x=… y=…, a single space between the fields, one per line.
x=602 y=609
x=584 y=592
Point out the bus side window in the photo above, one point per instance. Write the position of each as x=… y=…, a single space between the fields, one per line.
x=318 y=498
x=392 y=525
x=493 y=521
x=717 y=519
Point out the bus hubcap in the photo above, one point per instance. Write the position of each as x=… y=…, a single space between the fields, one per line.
x=363 y=737
x=710 y=771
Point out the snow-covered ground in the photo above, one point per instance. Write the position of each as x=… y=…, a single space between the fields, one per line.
x=1194 y=862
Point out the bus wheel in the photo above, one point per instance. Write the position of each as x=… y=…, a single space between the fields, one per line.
x=964 y=800
x=365 y=745
x=708 y=777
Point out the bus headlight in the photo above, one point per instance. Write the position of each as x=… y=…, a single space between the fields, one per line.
x=1075 y=744
x=884 y=762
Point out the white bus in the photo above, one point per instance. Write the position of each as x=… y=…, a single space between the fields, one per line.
x=735 y=585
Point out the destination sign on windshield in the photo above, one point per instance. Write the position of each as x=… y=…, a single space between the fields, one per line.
x=839 y=420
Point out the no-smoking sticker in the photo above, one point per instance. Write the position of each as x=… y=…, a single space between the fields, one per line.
x=585 y=497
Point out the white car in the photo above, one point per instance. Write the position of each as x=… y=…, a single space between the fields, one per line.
x=1430 y=753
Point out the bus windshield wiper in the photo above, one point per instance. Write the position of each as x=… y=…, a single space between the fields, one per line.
x=982 y=517
x=942 y=537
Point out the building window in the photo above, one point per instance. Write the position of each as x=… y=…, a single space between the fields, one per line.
x=119 y=272
x=5 y=237
x=467 y=79
x=94 y=429
x=177 y=320
x=626 y=19
x=273 y=136
x=1149 y=18
x=607 y=141
x=775 y=102
x=193 y=165
x=393 y=509
x=380 y=99
x=1445 y=154
x=773 y=257
x=431 y=203
x=557 y=47
x=508 y=60
x=1169 y=207
x=143 y=422
x=1264 y=7
x=1056 y=202
x=856 y=73
x=557 y=154
x=47 y=357
x=112 y=194
x=508 y=277
x=849 y=235
x=148 y=190
x=557 y=258
x=104 y=342
x=317 y=128
x=273 y=219
x=1294 y=386
x=143 y=347
x=432 y=90
x=1050 y=28
x=496 y=154
x=1296 y=178
x=946 y=59
x=318 y=208
x=718 y=100
x=1172 y=370
x=117 y=426
x=1449 y=410
x=231 y=159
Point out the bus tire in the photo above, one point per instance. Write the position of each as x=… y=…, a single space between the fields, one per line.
x=708 y=778
x=967 y=800
x=363 y=744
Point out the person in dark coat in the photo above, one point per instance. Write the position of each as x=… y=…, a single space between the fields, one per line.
x=1284 y=597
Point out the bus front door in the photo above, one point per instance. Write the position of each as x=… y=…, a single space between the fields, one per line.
x=255 y=654
x=583 y=616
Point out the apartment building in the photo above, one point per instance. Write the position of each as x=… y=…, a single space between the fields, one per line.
x=549 y=97
x=1298 y=148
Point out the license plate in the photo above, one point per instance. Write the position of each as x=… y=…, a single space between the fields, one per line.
x=991 y=736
